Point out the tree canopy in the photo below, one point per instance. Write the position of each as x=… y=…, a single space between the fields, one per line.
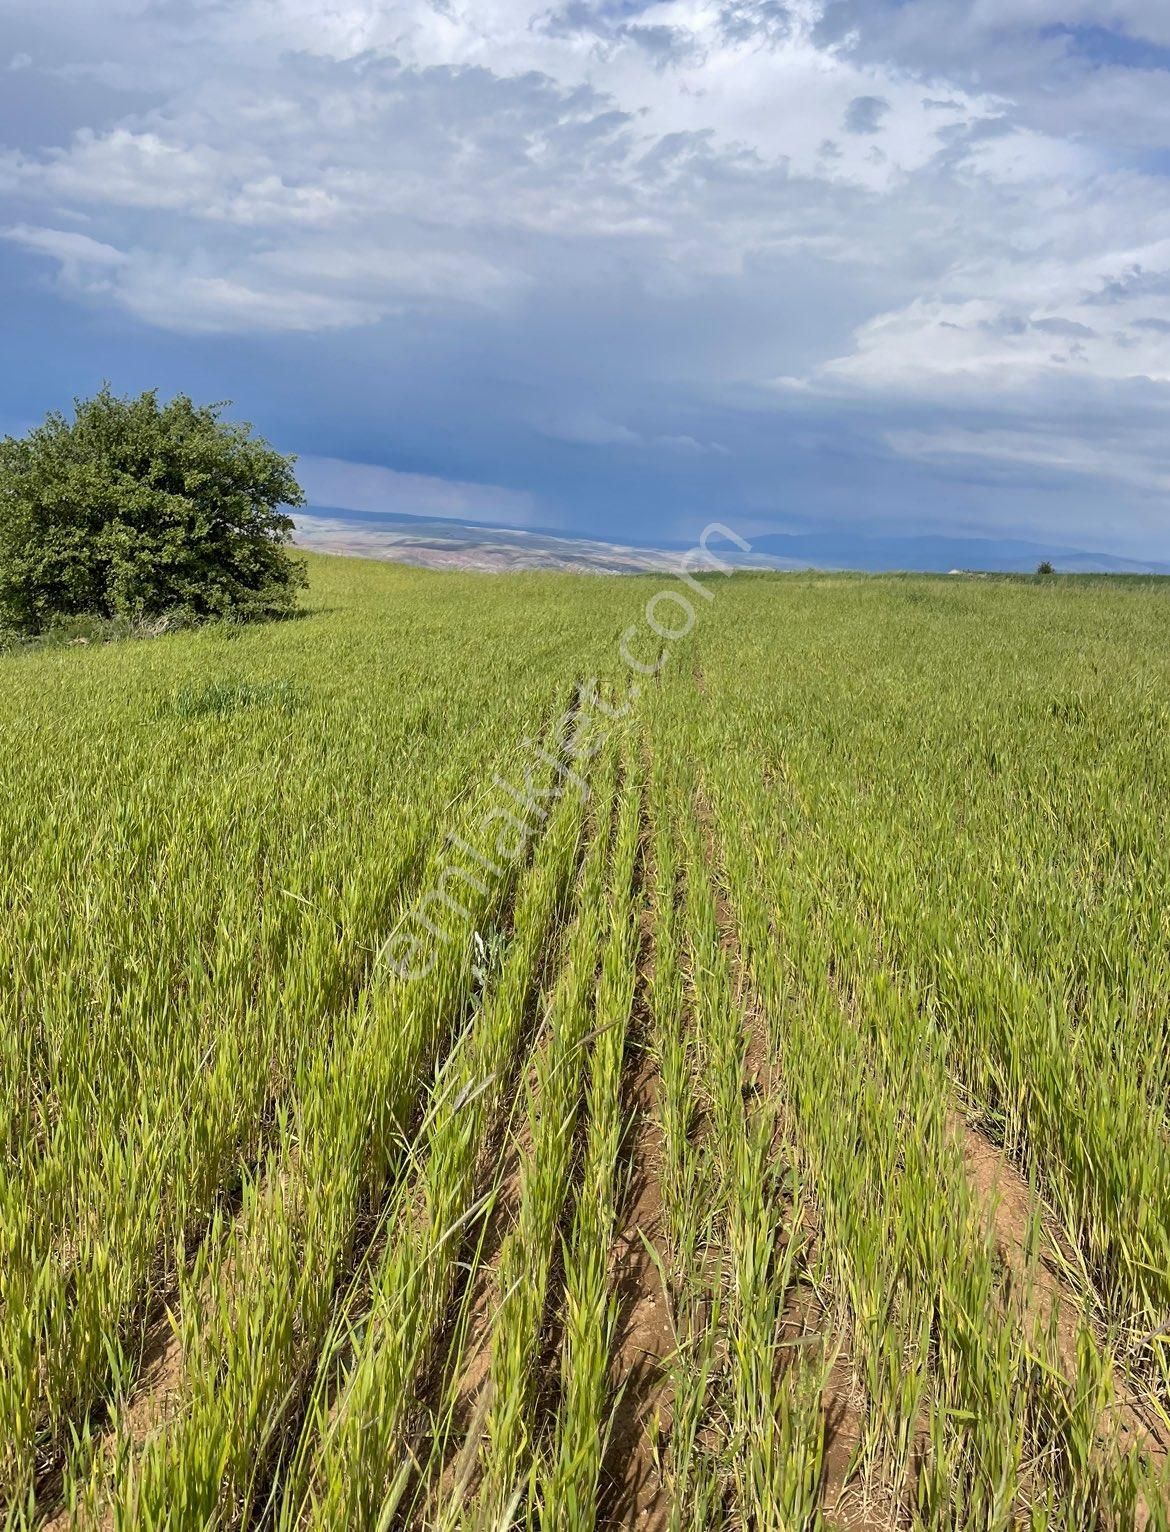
x=135 y=508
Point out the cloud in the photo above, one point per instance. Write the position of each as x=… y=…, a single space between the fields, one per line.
x=189 y=301
x=370 y=488
x=65 y=245
x=86 y=267
x=865 y=114
x=1133 y=458
x=147 y=170
x=590 y=430
x=487 y=236
x=1046 y=321
x=179 y=295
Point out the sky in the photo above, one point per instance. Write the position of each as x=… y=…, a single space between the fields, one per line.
x=617 y=268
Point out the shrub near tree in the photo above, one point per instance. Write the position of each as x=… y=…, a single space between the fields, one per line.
x=137 y=509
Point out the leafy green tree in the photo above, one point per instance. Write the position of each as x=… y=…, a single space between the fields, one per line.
x=1044 y=568
x=134 y=509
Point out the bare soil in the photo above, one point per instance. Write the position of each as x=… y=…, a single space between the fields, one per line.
x=1008 y=1202
x=634 y=1494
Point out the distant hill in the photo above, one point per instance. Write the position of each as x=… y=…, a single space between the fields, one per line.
x=846 y=549
x=467 y=545
x=441 y=544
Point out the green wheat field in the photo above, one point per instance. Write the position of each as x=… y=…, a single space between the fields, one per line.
x=454 y=1079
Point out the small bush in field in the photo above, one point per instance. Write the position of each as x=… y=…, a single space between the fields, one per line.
x=135 y=509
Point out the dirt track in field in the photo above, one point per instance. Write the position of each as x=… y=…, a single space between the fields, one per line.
x=634 y=1494
x=1009 y=1206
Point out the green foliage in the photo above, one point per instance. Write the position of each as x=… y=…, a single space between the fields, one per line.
x=1044 y=568
x=136 y=510
x=227 y=695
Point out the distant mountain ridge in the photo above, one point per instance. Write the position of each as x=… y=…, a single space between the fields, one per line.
x=938 y=553
x=442 y=544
